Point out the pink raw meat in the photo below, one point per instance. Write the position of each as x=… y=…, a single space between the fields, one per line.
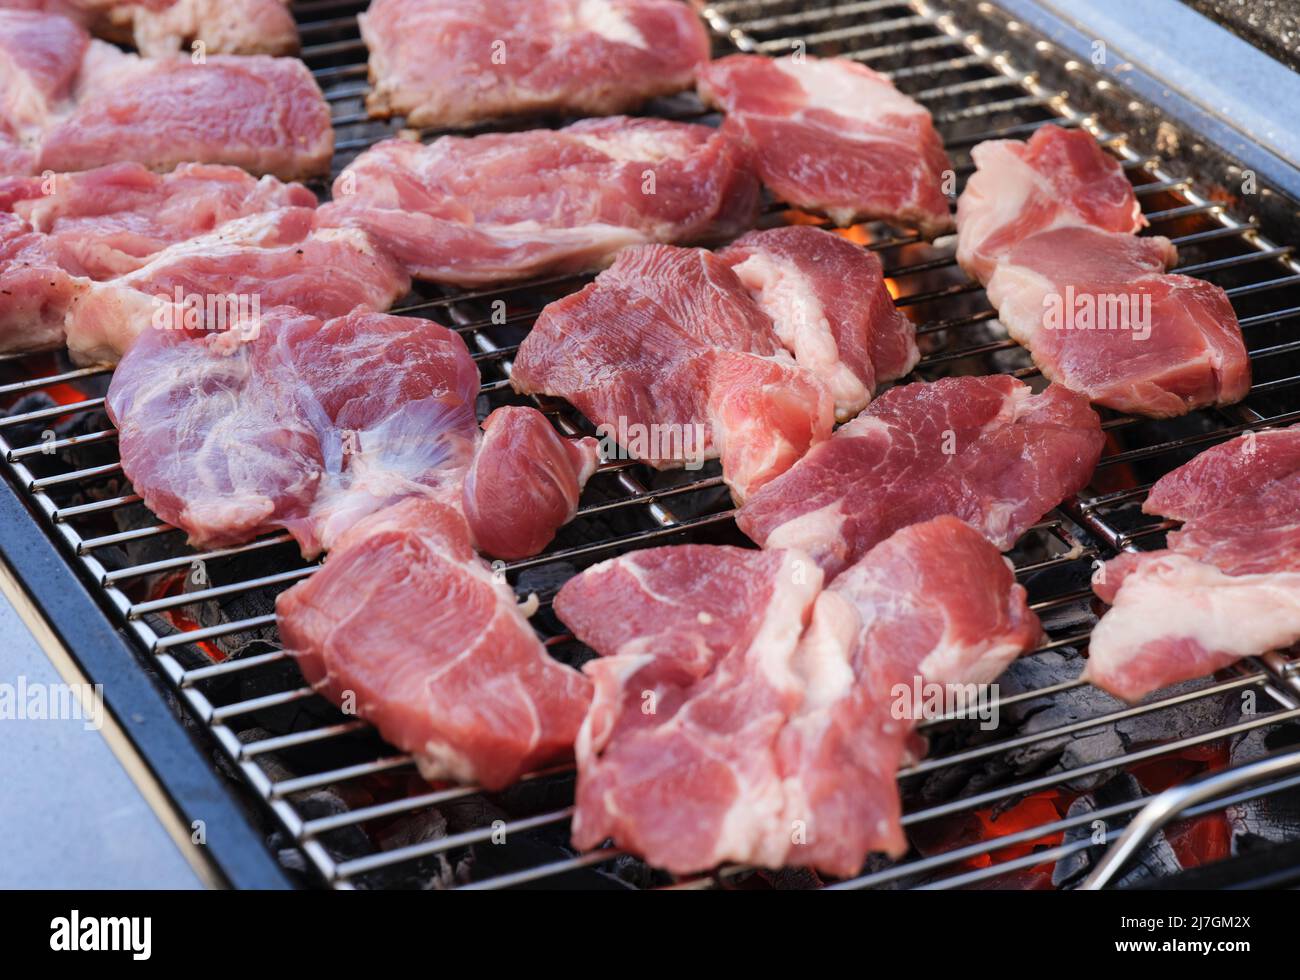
x=35 y=291
x=524 y=483
x=669 y=337
x=935 y=604
x=40 y=57
x=109 y=221
x=1228 y=584
x=407 y=627
x=162 y=27
x=724 y=730
x=1128 y=336
x=677 y=758
x=827 y=299
x=69 y=103
x=266 y=115
x=834 y=136
x=451 y=63
x=508 y=206
x=1058 y=178
x=262 y=261
x=290 y=422
x=986 y=450
x=1047 y=226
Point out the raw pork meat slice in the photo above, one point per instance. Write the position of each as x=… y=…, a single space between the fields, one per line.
x=834 y=136
x=524 y=483
x=451 y=63
x=266 y=115
x=464 y=684
x=290 y=422
x=162 y=27
x=516 y=205
x=934 y=604
x=668 y=341
x=677 y=757
x=986 y=450
x=40 y=57
x=69 y=103
x=828 y=301
x=109 y=221
x=62 y=228
x=722 y=729
x=15 y=158
x=245 y=266
x=1059 y=178
x=35 y=291
x=1047 y=226
x=1228 y=584
x=1100 y=316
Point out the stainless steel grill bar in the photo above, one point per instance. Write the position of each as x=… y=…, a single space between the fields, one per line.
x=186 y=561
x=225 y=667
x=298 y=739
x=20 y=387
x=996 y=748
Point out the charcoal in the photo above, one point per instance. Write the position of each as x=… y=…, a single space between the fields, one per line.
x=1154 y=859
x=632 y=873
x=1270 y=818
x=1082 y=748
x=520 y=851
x=792 y=879
x=413 y=827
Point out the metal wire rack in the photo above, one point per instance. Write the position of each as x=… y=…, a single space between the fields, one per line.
x=975 y=93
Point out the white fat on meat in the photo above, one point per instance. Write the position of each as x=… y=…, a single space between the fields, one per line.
x=995 y=194
x=860 y=96
x=1174 y=606
x=1016 y=193
x=811 y=531
x=605 y=20
x=631 y=146
x=751 y=447
x=1228 y=583
x=822 y=661
x=23 y=104
x=794 y=305
x=975 y=664
x=830 y=307
x=772 y=653
x=223 y=26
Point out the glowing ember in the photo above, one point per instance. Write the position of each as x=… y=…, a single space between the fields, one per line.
x=174 y=584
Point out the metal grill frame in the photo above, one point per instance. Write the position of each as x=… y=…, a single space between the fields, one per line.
x=1079 y=532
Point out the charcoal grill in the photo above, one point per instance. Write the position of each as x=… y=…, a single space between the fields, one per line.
x=978 y=88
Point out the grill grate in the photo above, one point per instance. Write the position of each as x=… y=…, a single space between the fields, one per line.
x=976 y=93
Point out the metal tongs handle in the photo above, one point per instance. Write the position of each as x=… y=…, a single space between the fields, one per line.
x=1166 y=806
